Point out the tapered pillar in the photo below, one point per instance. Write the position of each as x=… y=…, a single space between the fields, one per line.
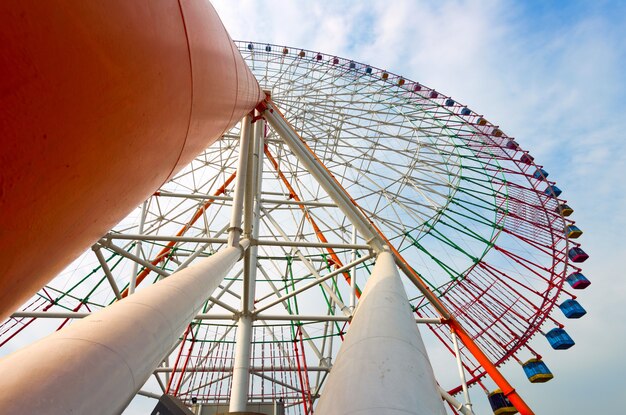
x=96 y=365
x=382 y=366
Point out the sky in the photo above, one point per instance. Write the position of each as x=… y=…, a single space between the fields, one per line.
x=551 y=74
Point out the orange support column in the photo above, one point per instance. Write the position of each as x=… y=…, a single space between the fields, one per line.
x=101 y=103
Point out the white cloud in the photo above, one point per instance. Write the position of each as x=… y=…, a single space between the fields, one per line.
x=552 y=78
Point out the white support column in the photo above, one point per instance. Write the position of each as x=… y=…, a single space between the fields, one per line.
x=382 y=366
x=459 y=362
x=455 y=404
x=235 y=231
x=142 y=221
x=353 y=274
x=96 y=365
x=251 y=215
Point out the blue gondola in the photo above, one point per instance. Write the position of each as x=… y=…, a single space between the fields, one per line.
x=466 y=111
x=572 y=231
x=578 y=281
x=500 y=404
x=449 y=102
x=368 y=70
x=564 y=209
x=540 y=174
x=552 y=191
x=268 y=48
x=250 y=46
x=559 y=339
x=536 y=371
x=576 y=254
x=572 y=309
x=352 y=65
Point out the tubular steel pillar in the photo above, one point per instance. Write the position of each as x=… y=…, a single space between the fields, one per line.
x=382 y=366
x=455 y=404
x=142 y=223
x=96 y=365
x=251 y=215
x=353 y=274
x=377 y=241
x=235 y=231
x=459 y=362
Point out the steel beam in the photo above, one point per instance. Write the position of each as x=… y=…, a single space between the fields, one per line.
x=98 y=364
x=316 y=168
x=251 y=212
x=374 y=236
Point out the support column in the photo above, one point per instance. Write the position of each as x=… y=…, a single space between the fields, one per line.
x=382 y=365
x=235 y=230
x=96 y=365
x=353 y=274
x=142 y=221
x=459 y=362
x=378 y=241
x=251 y=216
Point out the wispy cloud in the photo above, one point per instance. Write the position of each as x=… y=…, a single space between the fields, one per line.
x=552 y=75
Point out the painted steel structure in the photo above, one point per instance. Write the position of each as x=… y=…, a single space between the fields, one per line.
x=352 y=159
x=382 y=366
x=98 y=364
x=102 y=103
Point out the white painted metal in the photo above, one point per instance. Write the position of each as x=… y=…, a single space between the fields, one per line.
x=138 y=237
x=353 y=274
x=252 y=196
x=261 y=242
x=142 y=223
x=96 y=365
x=329 y=291
x=206 y=316
x=397 y=160
x=241 y=367
x=315 y=283
x=459 y=362
x=107 y=271
x=135 y=258
x=330 y=185
x=340 y=197
x=382 y=366
x=455 y=404
x=235 y=229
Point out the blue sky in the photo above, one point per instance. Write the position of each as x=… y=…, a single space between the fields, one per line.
x=551 y=73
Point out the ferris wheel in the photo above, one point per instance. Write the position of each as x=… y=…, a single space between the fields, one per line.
x=484 y=242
